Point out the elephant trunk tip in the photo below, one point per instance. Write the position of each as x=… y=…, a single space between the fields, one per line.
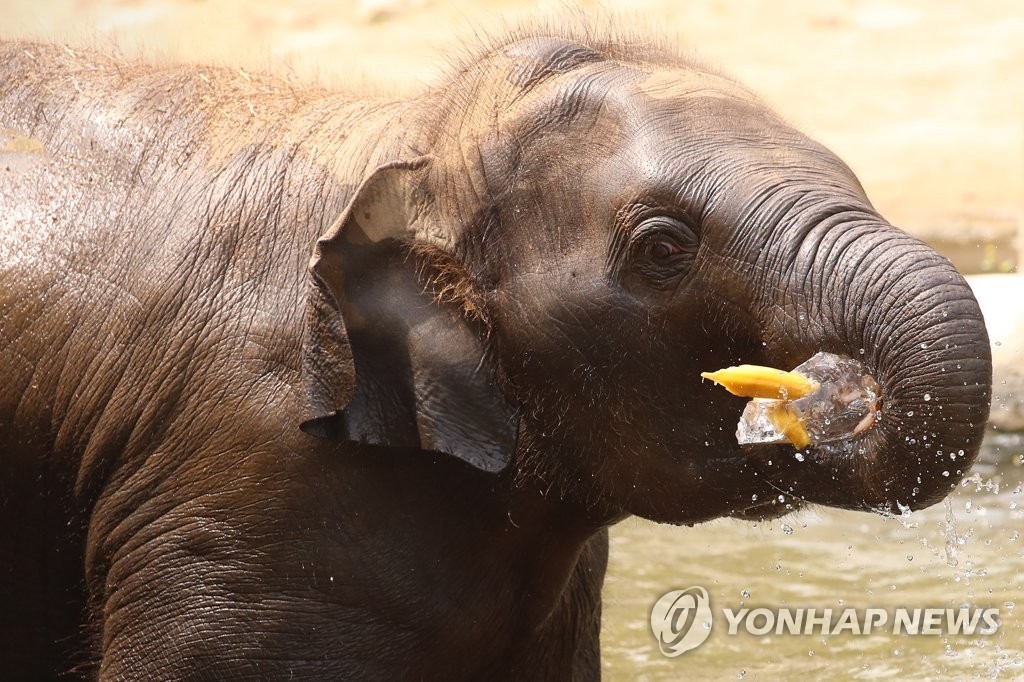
x=889 y=436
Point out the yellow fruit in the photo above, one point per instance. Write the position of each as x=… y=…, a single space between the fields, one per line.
x=754 y=381
x=789 y=425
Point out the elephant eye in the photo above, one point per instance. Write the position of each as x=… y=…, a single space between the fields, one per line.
x=664 y=248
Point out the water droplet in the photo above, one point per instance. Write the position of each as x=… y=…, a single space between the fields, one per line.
x=910 y=413
x=753 y=498
x=799 y=457
x=924 y=345
x=741 y=674
x=946 y=474
x=927 y=397
x=788 y=530
x=745 y=594
x=999 y=343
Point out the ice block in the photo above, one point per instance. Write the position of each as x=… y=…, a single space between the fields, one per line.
x=827 y=398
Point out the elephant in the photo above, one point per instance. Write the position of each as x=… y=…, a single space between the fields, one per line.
x=314 y=383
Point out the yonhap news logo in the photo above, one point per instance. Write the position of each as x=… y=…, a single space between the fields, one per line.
x=682 y=620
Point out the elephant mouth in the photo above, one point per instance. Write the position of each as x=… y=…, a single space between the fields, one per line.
x=852 y=442
x=827 y=400
x=901 y=444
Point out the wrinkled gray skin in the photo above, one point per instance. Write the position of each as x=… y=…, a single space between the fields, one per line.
x=399 y=459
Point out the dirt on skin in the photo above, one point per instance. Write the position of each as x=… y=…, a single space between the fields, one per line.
x=923 y=98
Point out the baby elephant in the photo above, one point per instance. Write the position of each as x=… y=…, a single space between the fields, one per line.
x=301 y=383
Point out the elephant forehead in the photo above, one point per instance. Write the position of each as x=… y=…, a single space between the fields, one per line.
x=692 y=124
x=680 y=84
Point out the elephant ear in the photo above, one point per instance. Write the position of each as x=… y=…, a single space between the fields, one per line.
x=385 y=360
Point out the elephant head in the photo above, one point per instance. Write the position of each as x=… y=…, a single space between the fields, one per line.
x=591 y=226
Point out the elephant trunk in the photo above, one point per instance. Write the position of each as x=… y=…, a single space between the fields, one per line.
x=868 y=291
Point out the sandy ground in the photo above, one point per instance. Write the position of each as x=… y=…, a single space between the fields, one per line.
x=924 y=99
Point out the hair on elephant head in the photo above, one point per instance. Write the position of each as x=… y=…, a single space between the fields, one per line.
x=389 y=304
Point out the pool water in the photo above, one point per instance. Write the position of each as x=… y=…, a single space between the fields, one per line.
x=964 y=552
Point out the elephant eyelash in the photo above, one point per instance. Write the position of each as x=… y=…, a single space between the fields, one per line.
x=637 y=224
x=662 y=267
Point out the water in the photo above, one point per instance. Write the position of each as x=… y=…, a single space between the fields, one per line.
x=967 y=551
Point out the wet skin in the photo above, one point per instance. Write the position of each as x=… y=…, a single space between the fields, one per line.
x=304 y=383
